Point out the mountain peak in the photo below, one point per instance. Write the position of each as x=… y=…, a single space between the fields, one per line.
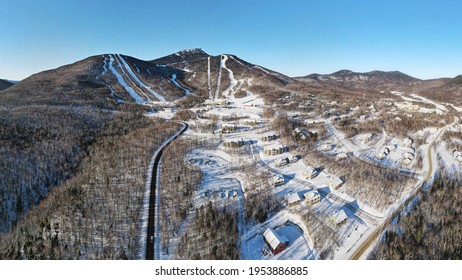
x=194 y=51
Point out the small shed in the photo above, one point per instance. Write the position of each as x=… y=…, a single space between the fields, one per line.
x=275 y=242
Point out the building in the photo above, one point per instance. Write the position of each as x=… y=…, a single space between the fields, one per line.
x=293 y=199
x=310 y=174
x=340 y=156
x=282 y=162
x=456 y=154
x=312 y=197
x=406 y=161
x=270 y=137
x=294 y=159
x=413 y=107
x=218 y=102
x=272 y=151
x=249 y=122
x=327 y=147
x=234 y=143
x=382 y=153
x=228 y=127
x=407 y=142
x=275 y=242
x=278 y=181
x=339 y=217
x=335 y=183
x=365 y=138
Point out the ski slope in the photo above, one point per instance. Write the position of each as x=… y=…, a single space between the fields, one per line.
x=186 y=91
x=233 y=82
x=122 y=82
x=132 y=74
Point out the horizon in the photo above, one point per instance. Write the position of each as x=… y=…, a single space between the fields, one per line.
x=293 y=38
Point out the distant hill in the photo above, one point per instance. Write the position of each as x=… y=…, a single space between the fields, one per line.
x=4 y=84
x=374 y=80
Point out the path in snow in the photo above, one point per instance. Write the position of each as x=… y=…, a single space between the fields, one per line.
x=129 y=70
x=233 y=81
x=122 y=82
x=208 y=78
x=186 y=91
x=219 y=79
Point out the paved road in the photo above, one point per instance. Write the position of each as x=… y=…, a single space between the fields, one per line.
x=153 y=238
x=376 y=233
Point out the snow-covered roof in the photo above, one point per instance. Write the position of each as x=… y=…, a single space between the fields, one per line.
x=336 y=181
x=311 y=195
x=339 y=216
x=273 y=238
x=293 y=198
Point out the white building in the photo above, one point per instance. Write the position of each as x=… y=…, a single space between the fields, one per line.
x=327 y=147
x=339 y=217
x=310 y=174
x=312 y=197
x=335 y=183
x=278 y=181
x=293 y=199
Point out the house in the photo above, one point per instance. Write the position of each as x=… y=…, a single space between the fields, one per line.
x=459 y=158
x=233 y=143
x=407 y=161
x=275 y=150
x=310 y=174
x=413 y=107
x=249 y=122
x=408 y=155
x=338 y=217
x=294 y=159
x=327 y=147
x=293 y=199
x=219 y=102
x=407 y=142
x=228 y=127
x=335 y=183
x=282 y=162
x=340 y=156
x=278 y=181
x=365 y=138
x=312 y=197
x=275 y=242
x=270 y=137
x=456 y=154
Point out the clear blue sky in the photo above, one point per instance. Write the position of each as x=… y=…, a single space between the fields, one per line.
x=296 y=37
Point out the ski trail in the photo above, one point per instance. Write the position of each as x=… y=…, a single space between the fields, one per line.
x=130 y=80
x=219 y=79
x=208 y=78
x=122 y=82
x=129 y=70
x=186 y=91
x=233 y=81
x=104 y=66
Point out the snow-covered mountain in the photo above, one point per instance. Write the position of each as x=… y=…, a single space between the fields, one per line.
x=113 y=80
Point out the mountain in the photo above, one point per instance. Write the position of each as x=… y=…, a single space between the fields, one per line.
x=374 y=80
x=114 y=80
x=4 y=84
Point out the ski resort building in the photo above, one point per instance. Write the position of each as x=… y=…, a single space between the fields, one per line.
x=275 y=242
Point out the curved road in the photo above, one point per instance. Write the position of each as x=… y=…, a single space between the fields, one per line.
x=153 y=240
x=376 y=233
